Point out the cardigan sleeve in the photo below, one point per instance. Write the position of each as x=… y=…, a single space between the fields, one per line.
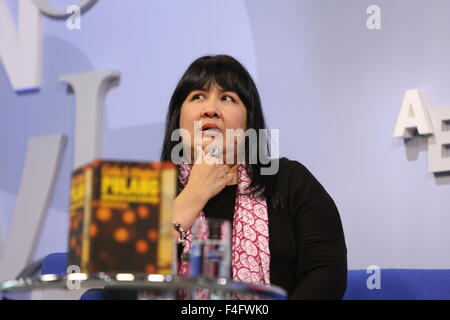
x=321 y=254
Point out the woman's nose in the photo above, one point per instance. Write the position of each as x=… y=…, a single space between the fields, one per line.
x=211 y=111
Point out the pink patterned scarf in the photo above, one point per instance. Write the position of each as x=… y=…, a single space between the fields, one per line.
x=250 y=240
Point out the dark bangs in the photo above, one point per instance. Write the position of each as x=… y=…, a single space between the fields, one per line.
x=222 y=70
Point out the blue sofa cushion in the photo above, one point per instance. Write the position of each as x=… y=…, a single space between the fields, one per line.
x=400 y=284
x=55 y=263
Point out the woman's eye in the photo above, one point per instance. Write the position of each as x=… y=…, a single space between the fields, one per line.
x=228 y=98
x=197 y=96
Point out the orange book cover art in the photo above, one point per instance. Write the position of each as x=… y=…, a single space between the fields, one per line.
x=120 y=217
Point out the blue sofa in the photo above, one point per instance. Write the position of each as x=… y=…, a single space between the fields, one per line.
x=400 y=284
x=395 y=284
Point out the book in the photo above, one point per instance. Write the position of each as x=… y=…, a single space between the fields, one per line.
x=121 y=217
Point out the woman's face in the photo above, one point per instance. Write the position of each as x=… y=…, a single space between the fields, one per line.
x=218 y=110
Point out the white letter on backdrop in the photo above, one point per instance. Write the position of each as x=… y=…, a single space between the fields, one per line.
x=20 y=50
x=90 y=89
x=414 y=114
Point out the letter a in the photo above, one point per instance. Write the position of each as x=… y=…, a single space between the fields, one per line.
x=374 y=20
x=414 y=114
x=374 y=281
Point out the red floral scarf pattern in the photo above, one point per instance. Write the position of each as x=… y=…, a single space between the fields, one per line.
x=250 y=252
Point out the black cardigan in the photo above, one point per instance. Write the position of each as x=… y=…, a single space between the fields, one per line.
x=308 y=255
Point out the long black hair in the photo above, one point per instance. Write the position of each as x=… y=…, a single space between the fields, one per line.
x=230 y=75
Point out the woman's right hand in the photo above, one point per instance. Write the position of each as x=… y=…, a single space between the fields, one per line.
x=207 y=177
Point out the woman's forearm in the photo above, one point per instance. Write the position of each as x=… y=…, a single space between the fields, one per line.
x=187 y=206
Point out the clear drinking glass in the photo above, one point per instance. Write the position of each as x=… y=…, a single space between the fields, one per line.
x=210 y=255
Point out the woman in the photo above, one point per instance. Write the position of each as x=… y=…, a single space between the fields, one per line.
x=286 y=228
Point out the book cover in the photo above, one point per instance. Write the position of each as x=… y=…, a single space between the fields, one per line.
x=120 y=217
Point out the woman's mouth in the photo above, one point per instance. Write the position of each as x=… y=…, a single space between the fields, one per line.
x=211 y=130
